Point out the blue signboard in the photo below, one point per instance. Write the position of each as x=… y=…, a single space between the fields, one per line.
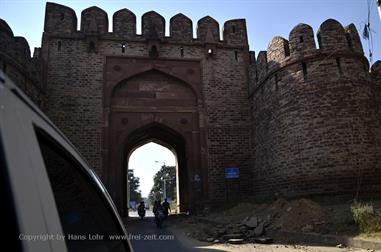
x=231 y=172
x=133 y=204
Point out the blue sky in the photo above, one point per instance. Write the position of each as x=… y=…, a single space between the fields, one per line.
x=265 y=18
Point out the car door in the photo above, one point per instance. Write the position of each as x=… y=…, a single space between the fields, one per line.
x=22 y=179
x=55 y=202
x=87 y=215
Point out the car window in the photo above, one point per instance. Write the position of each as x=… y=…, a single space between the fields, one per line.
x=86 y=218
x=9 y=220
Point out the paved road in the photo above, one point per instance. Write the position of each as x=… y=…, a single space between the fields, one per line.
x=134 y=214
x=145 y=236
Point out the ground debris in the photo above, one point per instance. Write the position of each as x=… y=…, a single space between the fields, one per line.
x=235 y=241
x=263 y=240
x=341 y=245
x=302 y=215
x=250 y=221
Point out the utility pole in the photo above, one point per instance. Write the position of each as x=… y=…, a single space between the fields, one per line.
x=129 y=171
x=164 y=189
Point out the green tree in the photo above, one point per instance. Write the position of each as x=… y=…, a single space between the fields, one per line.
x=134 y=183
x=167 y=173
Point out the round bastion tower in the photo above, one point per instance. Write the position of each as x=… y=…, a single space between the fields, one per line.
x=315 y=115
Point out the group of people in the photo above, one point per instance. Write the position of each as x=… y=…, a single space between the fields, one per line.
x=163 y=208
x=160 y=211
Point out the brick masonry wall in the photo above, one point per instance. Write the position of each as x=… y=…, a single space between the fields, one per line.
x=314 y=129
x=74 y=91
x=16 y=62
x=311 y=124
x=75 y=86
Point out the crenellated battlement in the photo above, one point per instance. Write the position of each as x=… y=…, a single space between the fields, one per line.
x=16 y=62
x=94 y=20
x=124 y=23
x=334 y=41
x=311 y=107
x=376 y=72
x=301 y=40
x=62 y=21
x=181 y=28
x=14 y=47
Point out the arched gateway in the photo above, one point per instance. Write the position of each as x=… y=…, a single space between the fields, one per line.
x=152 y=100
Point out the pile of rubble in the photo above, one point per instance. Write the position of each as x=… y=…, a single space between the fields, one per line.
x=249 y=230
x=248 y=222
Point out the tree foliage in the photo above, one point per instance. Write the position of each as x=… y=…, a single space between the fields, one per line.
x=134 y=182
x=169 y=174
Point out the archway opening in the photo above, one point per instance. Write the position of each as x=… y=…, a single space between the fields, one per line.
x=152 y=175
x=164 y=136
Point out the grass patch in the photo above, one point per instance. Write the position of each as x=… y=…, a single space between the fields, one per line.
x=366 y=217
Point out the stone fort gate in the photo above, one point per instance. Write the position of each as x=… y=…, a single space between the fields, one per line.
x=300 y=119
x=112 y=92
x=147 y=99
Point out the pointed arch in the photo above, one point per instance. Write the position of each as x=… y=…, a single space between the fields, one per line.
x=167 y=137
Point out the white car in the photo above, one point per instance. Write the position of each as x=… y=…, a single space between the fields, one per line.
x=51 y=199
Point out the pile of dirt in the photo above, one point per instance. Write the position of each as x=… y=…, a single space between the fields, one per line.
x=247 y=222
x=302 y=215
x=298 y=215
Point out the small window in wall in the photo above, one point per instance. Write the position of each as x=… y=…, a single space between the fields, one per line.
x=4 y=68
x=123 y=48
x=236 y=55
x=301 y=40
x=276 y=82
x=286 y=50
x=210 y=51
x=349 y=40
x=233 y=29
x=62 y=17
x=59 y=45
x=304 y=67
x=338 y=62
x=83 y=210
x=153 y=52
x=182 y=51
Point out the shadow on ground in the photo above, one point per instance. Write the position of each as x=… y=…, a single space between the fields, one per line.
x=145 y=236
